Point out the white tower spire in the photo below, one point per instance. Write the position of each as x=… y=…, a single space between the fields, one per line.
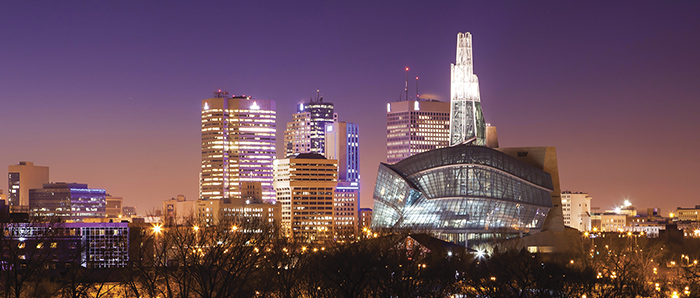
x=466 y=118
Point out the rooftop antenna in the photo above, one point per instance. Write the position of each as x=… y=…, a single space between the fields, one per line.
x=417 y=96
x=406 y=87
x=220 y=93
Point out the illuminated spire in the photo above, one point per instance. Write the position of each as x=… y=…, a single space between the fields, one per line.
x=466 y=118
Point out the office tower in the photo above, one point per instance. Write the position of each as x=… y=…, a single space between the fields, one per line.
x=342 y=144
x=238 y=145
x=467 y=124
x=306 y=132
x=305 y=183
x=67 y=201
x=576 y=208
x=414 y=126
x=23 y=177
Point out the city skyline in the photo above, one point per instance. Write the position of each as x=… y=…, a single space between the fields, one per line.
x=108 y=94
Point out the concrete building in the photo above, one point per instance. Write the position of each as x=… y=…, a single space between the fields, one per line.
x=365 y=218
x=614 y=222
x=688 y=214
x=113 y=207
x=23 y=177
x=576 y=208
x=238 y=145
x=306 y=132
x=342 y=144
x=129 y=211
x=245 y=212
x=415 y=126
x=68 y=201
x=305 y=185
x=179 y=209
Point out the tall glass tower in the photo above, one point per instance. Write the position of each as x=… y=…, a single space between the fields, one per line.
x=306 y=132
x=238 y=145
x=467 y=124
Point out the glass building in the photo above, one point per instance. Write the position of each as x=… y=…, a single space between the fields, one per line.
x=306 y=132
x=68 y=201
x=463 y=194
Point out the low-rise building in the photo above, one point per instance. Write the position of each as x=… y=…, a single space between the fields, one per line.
x=240 y=210
x=179 y=209
x=688 y=214
x=92 y=245
x=67 y=201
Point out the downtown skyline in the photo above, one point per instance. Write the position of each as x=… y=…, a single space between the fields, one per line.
x=109 y=94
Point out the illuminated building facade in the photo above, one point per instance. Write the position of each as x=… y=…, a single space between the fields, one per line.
x=462 y=194
x=114 y=206
x=306 y=132
x=342 y=144
x=469 y=192
x=414 y=126
x=68 y=201
x=92 y=245
x=237 y=210
x=305 y=184
x=467 y=124
x=576 y=208
x=23 y=177
x=365 y=218
x=238 y=145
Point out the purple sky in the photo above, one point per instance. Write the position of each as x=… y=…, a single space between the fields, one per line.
x=108 y=92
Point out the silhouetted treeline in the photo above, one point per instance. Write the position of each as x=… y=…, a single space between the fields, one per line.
x=233 y=259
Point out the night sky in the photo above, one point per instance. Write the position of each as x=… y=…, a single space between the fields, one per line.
x=108 y=92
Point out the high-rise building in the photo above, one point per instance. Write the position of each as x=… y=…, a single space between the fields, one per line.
x=576 y=208
x=305 y=184
x=306 y=132
x=414 y=126
x=467 y=124
x=238 y=145
x=67 y=201
x=23 y=177
x=342 y=144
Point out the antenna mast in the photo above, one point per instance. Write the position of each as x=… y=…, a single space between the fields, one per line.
x=406 y=87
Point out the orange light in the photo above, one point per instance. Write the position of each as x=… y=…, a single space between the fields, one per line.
x=406 y=68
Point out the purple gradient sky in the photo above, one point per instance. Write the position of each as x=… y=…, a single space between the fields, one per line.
x=108 y=92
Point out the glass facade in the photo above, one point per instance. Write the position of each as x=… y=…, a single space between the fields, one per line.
x=461 y=193
x=68 y=201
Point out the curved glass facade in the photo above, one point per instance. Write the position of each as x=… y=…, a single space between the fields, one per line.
x=460 y=191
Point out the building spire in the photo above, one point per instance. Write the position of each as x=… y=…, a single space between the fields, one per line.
x=467 y=124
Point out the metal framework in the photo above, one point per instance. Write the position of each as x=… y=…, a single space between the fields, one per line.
x=467 y=124
x=462 y=190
